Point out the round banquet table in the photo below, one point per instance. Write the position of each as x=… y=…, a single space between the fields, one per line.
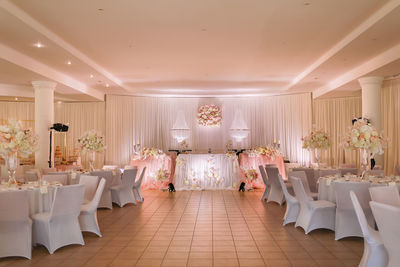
x=326 y=185
x=40 y=199
x=250 y=161
x=153 y=165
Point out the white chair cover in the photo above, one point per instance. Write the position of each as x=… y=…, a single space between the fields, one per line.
x=48 y=170
x=90 y=183
x=15 y=225
x=110 y=167
x=347 y=166
x=52 y=178
x=292 y=205
x=129 y=167
x=275 y=193
x=60 y=226
x=303 y=177
x=105 y=201
x=265 y=180
x=31 y=177
x=328 y=172
x=136 y=186
x=344 y=171
x=123 y=194
x=374 y=252
x=310 y=173
x=88 y=216
x=346 y=219
x=313 y=214
x=385 y=194
x=387 y=218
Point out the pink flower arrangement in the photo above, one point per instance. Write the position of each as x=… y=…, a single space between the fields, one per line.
x=362 y=135
x=268 y=151
x=251 y=174
x=13 y=138
x=316 y=139
x=209 y=116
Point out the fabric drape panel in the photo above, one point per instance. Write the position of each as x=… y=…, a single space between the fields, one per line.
x=334 y=115
x=147 y=120
x=23 y=111
x=80 y=117
x=391 y=122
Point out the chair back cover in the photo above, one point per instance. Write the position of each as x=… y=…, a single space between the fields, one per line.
x=385 y=194
x=129 y=167
x=138 y=183
x=14 y=206
x=323 y=173
x=128 y=177
x=310 y=173
x=90 y=183
x=376 y=172
x=387 y=218
x=108 y=175
x=61 y=178
x=67 y=201
x=342 y=190
x=263 y=174
x=48 y=170
x=272 y=175
x=303 y=177
x=300 y=192
x=288 y=196
x=365 y=228
x=31 y=176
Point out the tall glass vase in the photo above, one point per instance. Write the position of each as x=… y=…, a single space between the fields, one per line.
x=92 y=158
x=364 y=158
x=317 y=157
x=12 y=164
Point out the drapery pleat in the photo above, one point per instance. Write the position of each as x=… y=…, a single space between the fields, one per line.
x=334 y=115
x=391 y=122
x=148 y=120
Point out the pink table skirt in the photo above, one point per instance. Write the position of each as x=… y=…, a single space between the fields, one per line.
x=247 y=162
x=152 y=165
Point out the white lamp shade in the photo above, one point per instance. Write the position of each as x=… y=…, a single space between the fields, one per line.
x=239 y=130
x=180 y=131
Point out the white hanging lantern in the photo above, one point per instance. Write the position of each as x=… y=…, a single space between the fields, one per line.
x=180 y=131
x=239 y=130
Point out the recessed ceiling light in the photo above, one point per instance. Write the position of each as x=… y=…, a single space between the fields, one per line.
x=16 y=98
x=307 y=3
x=315 y=78
x=107 y=85
x=59 y=102
x=100 y=9
x=38 y=45
x=69 y=62
x=203 y=30
x=91 y=76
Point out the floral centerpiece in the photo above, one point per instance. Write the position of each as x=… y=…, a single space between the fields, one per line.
x=148 y=152
x=14 y=141
x=91 y=142
x=209 y=116
x=251 y=174
x=317 y=139
x=362 y=135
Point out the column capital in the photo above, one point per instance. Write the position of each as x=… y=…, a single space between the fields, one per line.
x=377 y=80
x=44 y=85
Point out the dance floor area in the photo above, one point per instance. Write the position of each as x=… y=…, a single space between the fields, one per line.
x=200 y=228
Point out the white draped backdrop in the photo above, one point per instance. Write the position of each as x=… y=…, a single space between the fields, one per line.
x=127 y=119
x=149 y=120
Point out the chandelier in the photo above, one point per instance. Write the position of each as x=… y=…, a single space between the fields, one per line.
x=180 y=131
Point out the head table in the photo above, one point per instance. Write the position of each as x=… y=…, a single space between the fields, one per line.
x=206 y=171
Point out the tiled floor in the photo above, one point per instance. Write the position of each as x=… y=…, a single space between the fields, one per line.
x=200 y=228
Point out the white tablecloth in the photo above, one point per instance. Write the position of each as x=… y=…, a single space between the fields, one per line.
x=326 y=186
x=38 y=202
x=206 y=171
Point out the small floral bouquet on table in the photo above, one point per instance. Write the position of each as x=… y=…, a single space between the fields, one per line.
x=147 y=152
x=91 y=141
x=317 y=139
x=251 y=174
x=161 y=175
x=209 y=116
x=268 y=151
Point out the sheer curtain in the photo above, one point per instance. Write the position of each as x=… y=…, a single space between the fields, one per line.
x=334 y=115
x=147 y=120
x=80 y=117
x=23 y=111
x=391 y=122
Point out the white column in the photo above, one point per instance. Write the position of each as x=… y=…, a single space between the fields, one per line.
x=44 y=119
x=371 y=99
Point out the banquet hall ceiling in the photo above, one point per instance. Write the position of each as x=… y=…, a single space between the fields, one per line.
x=197 y=47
